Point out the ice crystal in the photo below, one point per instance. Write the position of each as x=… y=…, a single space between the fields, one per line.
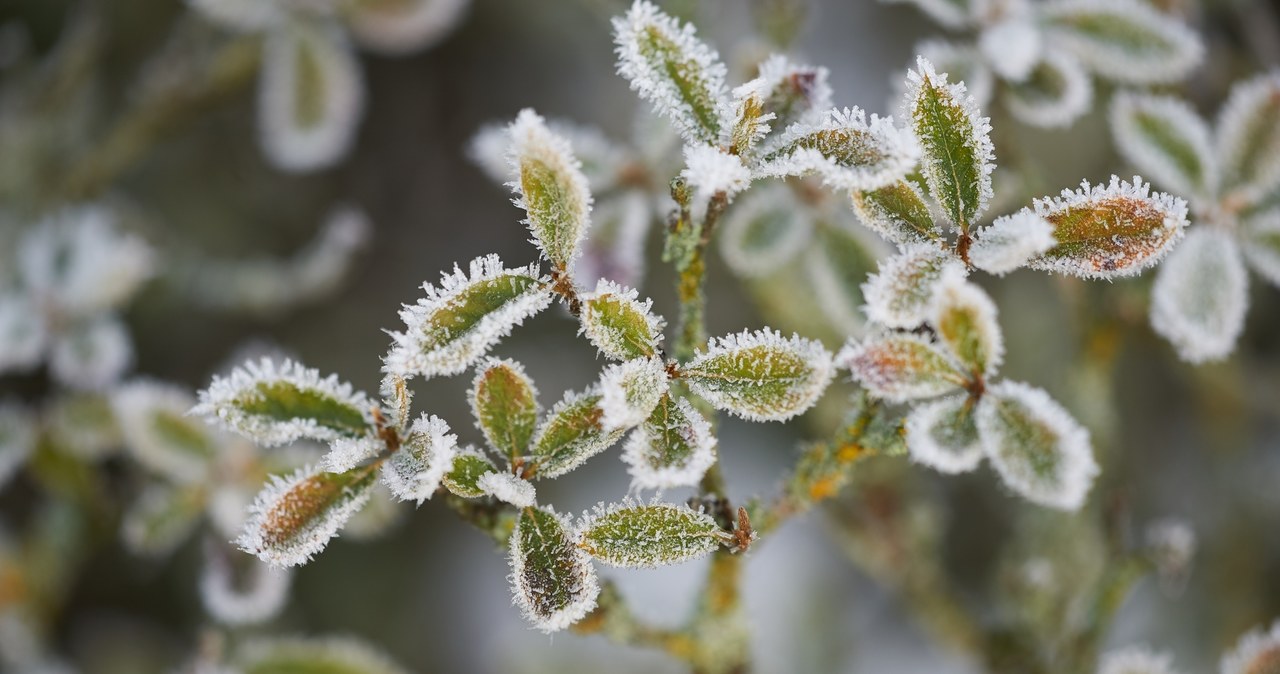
x=1010 y=241
x=629 y=391
x=508 y=488
x=674 y=447
x=414 y=472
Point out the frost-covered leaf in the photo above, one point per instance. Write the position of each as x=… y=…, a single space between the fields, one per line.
x=310 y=95
x=949 y=13
x=615 y=251
x=629 y=391
x=749 y=122
x=17 y=439
x=898 y=296
x=465 y=316
x=347 y=453
x=710 y=172
x=1128 y=41
x=670 y=67
x=846 y=150
x=635 y=535
x=161 y=518
x=901 y=366
x=1261 y=244
x=1010 y=241
x=956 y=142
x=941 y=434
x=1054 y=94
x=275 y=404
x=552 y=579
x=795 y=93
x=463 y=479
x=1200 y=295
x=242 y=592
x=402 y=26
x=898 y=212
x=509 y=489
x=550 y=188
x=1167 y=141
x=23 y=333
x=504 y=403
x=158 y=434
x=83 y=425
x=329 y=655
x=77 y=259
x=1135 y=661
x=836 y=264
x=619 y=324
x=294 y=517
x=964 y=319
x=760 y=376
x=674 y=447
x=571 y=433
x=1257 y=652
x=426 y=453
x=1249 y=135
x=1109 y=231
x=1012 y=46
x=1040 y=451
x=92 y=355
x=763 y=231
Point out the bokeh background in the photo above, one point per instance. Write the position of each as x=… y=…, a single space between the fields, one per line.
x=1198 y=444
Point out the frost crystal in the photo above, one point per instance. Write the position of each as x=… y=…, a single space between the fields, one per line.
x=1136 y=661
x=1200 y=296
x=941 y=434
x=1040 y=451
x=629 y=391
x=1108 y=231
x=1166 y=140
x=1128 y=41
x=618 y=323
x=293 y=518
x=1010 y=241
x=92 y=356
x=760 y=376
x=764 y=231
x=552 y=580
x=551 y=188
x=956 y=140
x=673 y=448
x=310 y=96
x=414 y=472
x=402 y=27
x=347 y=453
x=678 y=74
x=635 y=535
x=465 y=316
x=1257 y=652
x=509 y=489
x=256 y=597
x=899 y=367
x=899 y=295
x=711 y=171
x=1057 y=92
x=158 y=435
x=276 y=404
x=849 y=152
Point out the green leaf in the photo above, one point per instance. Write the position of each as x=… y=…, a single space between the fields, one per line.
x=898 y=212
x=629 y=391
x=1055 y=94
x=551 y=578
x=678 y=74
x=330 y=655
x=414 y=471
x=158 y=434
x=1249 y=136
x=942 y=434
x=293 y=518
x=619 y=324
x=633 y=535
x=793 y=92
x=551 y=188
x=847 y=150
x=467 y=468
x=1040 y=451
x=504 y=403
x=162 y=518
x=674 y=447
x=1110 y=231
x=465 y=316
x=764 y=230
x=899 y=294
x=572 y=433
x=836 y=265
x=1127 y=41
x=1167 y=141
x=276 y=404
x=901 y=366
x=958 y=156
x=760 y=376
x=964 y=319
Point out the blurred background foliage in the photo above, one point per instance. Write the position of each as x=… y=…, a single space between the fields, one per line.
x=853 y=588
